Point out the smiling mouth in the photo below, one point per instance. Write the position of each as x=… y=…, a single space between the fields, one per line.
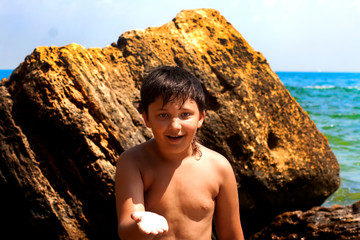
x=174 y=137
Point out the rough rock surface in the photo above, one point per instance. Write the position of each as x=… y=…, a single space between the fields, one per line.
x=337 y=222
x=68 y=112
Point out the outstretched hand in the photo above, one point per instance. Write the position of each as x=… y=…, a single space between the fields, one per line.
x=150 y=223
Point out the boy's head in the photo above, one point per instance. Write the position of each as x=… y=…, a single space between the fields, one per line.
x=171 y=83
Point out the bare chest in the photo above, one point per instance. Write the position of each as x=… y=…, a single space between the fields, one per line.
x=186 y=193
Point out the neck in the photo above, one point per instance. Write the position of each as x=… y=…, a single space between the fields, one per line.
x=172 y=157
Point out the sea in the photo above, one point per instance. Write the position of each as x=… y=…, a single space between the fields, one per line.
x=332 y=101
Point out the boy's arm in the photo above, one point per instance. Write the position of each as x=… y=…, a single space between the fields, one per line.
x=227 y=214
x=133 y=221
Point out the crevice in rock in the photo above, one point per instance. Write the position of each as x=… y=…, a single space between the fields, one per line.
x=272 y=140
x=224 y=83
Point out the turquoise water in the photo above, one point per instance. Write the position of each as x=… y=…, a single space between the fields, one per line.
x=333 y=102
x=5 y=73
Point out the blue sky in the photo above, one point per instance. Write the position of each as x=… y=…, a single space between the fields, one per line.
x=294 y=35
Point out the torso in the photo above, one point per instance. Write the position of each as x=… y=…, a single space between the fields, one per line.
x=184 y=193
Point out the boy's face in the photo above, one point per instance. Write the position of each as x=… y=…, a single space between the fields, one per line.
x=174 y=125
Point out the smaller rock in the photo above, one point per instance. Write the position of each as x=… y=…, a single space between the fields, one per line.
x=336 y=222
x=356 y=207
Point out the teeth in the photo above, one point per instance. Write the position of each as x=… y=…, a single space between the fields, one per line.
x=175 y=136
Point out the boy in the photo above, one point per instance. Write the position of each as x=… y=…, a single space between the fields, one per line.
x=171 y=187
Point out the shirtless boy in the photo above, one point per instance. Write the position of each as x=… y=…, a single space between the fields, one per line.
x=171 y=187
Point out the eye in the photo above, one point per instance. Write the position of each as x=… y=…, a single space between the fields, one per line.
x=162 y=115
x=185 y=115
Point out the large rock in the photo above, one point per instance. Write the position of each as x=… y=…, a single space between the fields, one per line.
x=30 y=205
x=328 y=223
x=68 y=112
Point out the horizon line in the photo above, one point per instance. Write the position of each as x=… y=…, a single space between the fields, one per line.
x=276 y=71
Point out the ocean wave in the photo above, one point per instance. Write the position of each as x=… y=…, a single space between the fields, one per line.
x=324 y=87
x=352 y=116
x=332 y=87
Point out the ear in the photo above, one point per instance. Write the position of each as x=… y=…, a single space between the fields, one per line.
x=201 y=119
x=146 y=119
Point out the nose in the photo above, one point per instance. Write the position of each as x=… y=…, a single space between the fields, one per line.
x=175 y=123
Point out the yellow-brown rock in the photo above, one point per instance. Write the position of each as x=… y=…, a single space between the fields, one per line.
x=68 y=112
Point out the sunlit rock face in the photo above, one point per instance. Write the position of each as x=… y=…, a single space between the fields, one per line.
x=67 y=113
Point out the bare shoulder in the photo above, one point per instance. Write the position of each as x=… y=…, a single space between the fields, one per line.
x=216 y=159
x=134 y=156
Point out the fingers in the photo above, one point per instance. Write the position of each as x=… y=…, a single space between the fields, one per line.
x=136 y=216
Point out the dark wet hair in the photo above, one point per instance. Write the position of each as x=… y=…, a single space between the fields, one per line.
x=171 y=83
